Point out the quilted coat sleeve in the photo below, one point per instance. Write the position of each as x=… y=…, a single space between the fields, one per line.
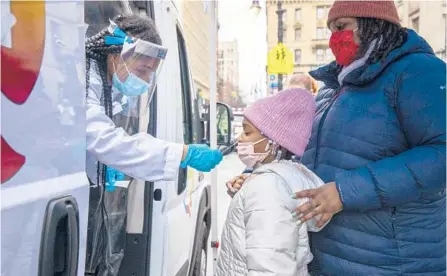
x=420 y=102
x=271 y=233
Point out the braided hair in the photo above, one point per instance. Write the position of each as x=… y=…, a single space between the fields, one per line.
x=97 y=52
x=390 y=36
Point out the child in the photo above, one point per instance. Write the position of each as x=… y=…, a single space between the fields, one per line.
x=262 y=235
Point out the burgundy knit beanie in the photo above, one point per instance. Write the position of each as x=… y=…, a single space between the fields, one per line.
x=285 y=117
x=385 y=10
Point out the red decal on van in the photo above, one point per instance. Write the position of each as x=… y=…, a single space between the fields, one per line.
x=11 y=161
x=21 y=63
x=20 y=69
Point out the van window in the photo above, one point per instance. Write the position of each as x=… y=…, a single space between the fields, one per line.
x=186 y=104
x=141 y=8
x=98 y=13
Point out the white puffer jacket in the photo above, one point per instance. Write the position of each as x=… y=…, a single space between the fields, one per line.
x=260 y=236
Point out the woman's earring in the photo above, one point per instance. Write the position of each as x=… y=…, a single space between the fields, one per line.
x=278 y=155
x=274 y=148
x=267 y=147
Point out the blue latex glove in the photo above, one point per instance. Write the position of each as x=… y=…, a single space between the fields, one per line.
x=112 y=176
x=201 y=158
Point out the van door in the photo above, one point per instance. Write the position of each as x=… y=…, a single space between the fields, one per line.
x=181 y=210
x=129 y=207
x=44 y=189
x=176 y=213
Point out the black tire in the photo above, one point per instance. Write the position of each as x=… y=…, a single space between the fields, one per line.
x=201 y=248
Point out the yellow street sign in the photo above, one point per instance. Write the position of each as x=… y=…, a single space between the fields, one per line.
x=280 y=60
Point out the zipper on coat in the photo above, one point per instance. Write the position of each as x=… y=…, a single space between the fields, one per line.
x=393 y=220
x=393 y=213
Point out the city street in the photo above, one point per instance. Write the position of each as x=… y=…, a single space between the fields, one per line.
x=230 y=167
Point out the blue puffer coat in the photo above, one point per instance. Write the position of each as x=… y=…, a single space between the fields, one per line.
x=383 y=141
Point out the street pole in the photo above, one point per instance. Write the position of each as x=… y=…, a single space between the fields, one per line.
x=213 y=133
x=279 y=12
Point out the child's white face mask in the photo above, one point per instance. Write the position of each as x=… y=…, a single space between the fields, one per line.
x=247 y=154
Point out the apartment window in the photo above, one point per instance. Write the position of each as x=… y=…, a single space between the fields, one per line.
x=284 y=15
x=328 y=33
x=321 y=12
x=297 y=56
x=321 y=33
x=297 y=14
x=297 y=34
x=329 y=56
x=415 y=24
x=320 y=54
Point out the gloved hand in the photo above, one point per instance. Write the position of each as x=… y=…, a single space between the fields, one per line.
x=112 y=176
x=201 y=158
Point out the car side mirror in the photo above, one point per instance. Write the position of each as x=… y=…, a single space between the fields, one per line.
x=224 y=115
x=224 y=120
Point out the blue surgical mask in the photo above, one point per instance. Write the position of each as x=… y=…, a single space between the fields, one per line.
x=132 y=86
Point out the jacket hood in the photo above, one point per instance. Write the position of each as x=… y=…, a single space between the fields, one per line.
x=368 y=72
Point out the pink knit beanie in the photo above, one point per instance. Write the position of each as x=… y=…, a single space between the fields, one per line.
x=286 y=118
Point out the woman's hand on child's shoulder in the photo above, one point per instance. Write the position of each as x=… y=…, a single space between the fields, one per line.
x=235 y=184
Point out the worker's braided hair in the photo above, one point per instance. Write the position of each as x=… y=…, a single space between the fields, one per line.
x=97 y=52
x=390 y=36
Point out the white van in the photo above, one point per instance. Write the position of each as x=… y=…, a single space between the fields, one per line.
x=162 y=228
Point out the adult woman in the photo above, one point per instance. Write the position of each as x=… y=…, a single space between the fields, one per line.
x=378 y=141
x=123 y=62
x=122 y=65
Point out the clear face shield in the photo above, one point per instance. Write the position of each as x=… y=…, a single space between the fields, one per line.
x=136 y=72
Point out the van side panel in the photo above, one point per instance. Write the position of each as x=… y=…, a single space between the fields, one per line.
x=46 y=127
x=175 y=216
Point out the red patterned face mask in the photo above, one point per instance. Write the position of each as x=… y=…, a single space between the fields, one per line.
x=343 y=47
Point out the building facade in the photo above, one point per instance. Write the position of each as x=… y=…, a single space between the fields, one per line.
x=428 y=18
x=228 y=72
x=305 y=32
x=228 y=61
x=194 y=16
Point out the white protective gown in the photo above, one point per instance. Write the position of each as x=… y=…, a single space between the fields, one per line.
x=141 y=155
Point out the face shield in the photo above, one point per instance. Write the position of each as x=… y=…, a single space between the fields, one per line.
x=136 y=71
